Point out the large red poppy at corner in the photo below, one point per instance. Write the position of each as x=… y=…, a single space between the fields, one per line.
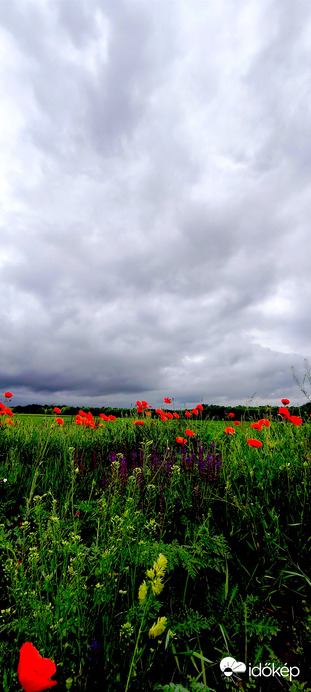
x=33 y=671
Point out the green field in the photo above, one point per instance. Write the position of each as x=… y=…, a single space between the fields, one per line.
x=85 y=514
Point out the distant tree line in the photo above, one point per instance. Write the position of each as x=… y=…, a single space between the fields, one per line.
x=210 y=411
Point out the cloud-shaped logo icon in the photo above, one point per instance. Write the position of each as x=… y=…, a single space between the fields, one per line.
x=229 y=666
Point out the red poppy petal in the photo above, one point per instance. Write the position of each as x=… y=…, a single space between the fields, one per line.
x=296 y=420
x=254 y=443
x=34 y=671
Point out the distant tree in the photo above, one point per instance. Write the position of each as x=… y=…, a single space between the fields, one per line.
x=30 y=408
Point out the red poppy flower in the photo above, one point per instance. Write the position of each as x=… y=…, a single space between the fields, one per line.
x=236 y=422
x=256 y=426
x=200 y=407
x=103 y=416
x=187 y=414
x=181 y=440
x=7 y=420
x=163 y=417
x=175 y=415
x=144 y=404
x=254 y=443
x=82 y=414
x=296 y=420
x=159 y=410
x=139 y=422
x=111 y=417
x=190 y=433
x=79 y=422
x=285 y=402
x=231 y=415
x=195 y=411
x=264 y=421
x=229 y=431
x=59 y=421
x=57 y=410
x=169 y=415
x=284 y=412
x=33 y=671
x=167 y=400
x=8 y=395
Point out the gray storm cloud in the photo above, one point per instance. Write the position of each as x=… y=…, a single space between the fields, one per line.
x=155 y=201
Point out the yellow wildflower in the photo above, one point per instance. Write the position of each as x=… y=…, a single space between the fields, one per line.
x=160 y=565
x=157 y=586
x=158 y=628
x=150 y=573
x=142 y=592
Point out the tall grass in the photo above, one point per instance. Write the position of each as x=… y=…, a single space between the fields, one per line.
x=86 y=513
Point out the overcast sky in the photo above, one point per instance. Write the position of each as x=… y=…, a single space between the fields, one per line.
x=155 y=200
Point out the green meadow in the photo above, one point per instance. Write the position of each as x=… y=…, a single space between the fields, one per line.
x=136 y=562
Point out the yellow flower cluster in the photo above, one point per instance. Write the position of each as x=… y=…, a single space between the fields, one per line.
x=155 y=575
x=142 y=592
x=158 y=628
